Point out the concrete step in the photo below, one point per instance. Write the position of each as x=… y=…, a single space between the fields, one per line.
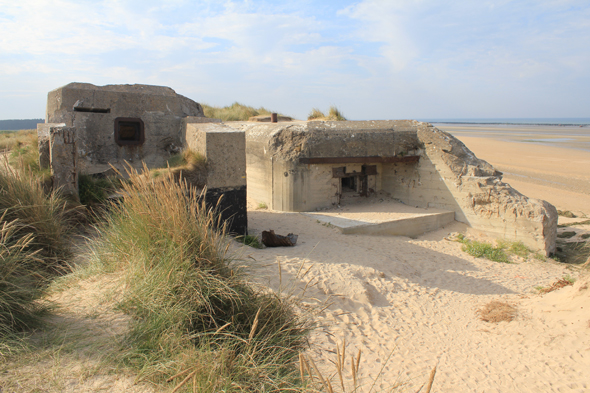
x=405 y=223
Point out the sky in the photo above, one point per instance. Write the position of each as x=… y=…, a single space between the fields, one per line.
x=373 y=59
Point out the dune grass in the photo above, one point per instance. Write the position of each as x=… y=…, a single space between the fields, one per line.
x=46 y=216
x=34 y=227
x=17 y=139
x=234 y=112
x=334 y=114
x=193 y=310
x=21 y=282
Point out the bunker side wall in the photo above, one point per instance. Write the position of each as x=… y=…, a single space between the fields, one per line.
x=259 y=173
x=224 y=149
x=482 y=199
x=421 y=185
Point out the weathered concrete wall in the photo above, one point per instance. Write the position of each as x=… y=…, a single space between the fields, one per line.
x=276 y=177
x=63 y=159
x=482 y=199
x=224 y=148
x=92 y=110
x=447 y=175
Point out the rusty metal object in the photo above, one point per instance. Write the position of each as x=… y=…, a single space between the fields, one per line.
x=273 y=118
x=270 y=239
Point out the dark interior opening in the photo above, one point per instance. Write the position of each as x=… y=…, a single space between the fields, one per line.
x=92 y=110
x=349 y=184
x=129 y=131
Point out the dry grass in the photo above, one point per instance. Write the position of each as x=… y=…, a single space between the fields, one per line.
x=497 y=311
x=563 y=282
x=334 y=114
x=234 y=112
x=17 y=139
x=193 y=310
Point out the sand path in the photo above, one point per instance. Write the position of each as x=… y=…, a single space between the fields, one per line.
x=415 y=302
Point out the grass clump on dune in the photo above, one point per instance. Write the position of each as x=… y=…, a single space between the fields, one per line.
x=334 y=114
x=483 y=250
x=21 y=282
x=43 y=215
x=33 y=248
x=194 y=312
x=234 y=112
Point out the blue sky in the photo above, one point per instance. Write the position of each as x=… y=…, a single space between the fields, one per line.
x=373 y=59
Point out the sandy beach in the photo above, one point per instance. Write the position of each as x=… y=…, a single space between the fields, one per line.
x=550 y=163
x=411 y=304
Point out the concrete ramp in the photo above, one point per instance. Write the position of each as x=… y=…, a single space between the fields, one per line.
x=389 y=218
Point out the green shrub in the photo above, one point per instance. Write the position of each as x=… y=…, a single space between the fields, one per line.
x=92 y=191
x=250 y=240
x=191 y=304
x=485 y=250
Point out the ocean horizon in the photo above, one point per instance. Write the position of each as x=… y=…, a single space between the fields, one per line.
x=540 y=121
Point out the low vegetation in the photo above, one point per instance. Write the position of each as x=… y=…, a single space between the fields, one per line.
x=576 y=253
x=566 y=213
x=499 y=253
x=21 y=282
x=34 y=229
x=250 y=240
x=17 y=139
x=483 y=250
x=333 y=115
x=234 y=112
x=497 y=311
x=563 y=282
x=194 y=312
x=45 y=216
x=572 y=224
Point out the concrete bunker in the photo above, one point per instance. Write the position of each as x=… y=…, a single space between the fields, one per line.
x=90 y=128
x=307 y=166
x=291 y=166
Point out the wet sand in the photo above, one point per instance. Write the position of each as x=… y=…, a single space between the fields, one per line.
x=556 y=170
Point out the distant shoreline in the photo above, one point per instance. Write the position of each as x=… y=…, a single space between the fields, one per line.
x=511 y=124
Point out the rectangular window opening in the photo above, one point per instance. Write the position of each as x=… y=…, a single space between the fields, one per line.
x=129 y=131
x=92 y=110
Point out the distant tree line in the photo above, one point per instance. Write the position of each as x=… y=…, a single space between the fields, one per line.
x=24 y=124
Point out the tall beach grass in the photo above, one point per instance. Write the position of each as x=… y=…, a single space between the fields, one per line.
x=193 y=310
x=334 y=114
x=234 y=112
x=44 y=215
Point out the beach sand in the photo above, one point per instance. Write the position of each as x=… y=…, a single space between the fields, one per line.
x=412 y=304
x=558 y=172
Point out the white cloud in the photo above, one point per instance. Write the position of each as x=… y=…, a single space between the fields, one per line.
x=374 y=58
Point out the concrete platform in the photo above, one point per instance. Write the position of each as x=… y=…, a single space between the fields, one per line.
x=388 y=218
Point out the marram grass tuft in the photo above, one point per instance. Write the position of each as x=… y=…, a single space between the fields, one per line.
x=191 y=304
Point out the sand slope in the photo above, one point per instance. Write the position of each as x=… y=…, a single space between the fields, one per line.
x=414 y=302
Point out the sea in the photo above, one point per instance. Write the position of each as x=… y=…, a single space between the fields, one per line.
x=571 y=133
x=539 y=121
